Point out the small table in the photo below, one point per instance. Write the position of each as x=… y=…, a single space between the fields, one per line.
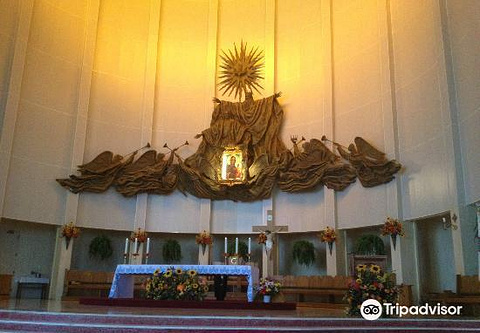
x=122 y=284
x=33 y=282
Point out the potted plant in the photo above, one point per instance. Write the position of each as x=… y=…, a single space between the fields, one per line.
x=304 y=252
x=268 y=288
x=171 y=250
x=369 y=282
x=100 y=248
x=370 y=245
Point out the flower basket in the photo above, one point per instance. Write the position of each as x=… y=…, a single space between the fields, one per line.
x=140 y=235
x=176 y=284
x=269 y=288
x=204 y=239
x=328 y=236
x=370 y=283
x=394 y=228
x=70 y=231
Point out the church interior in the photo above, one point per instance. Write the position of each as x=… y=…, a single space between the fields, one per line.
x=120 y=119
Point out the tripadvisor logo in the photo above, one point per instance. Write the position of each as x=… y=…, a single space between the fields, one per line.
x=371 y=309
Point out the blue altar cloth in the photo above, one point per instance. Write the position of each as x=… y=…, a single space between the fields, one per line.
x=123 y=280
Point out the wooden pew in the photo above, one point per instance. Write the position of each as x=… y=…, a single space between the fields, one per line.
x=467 y=295
x=81 y=283
x=307 y=288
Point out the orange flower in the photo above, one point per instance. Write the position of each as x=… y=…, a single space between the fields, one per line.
x=181 y=287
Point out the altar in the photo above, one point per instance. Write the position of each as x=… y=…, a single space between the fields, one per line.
x=123 y=280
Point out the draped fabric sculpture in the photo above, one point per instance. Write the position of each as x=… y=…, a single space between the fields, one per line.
x=247 y=130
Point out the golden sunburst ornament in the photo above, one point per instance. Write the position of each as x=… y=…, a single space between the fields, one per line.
x=241 y=70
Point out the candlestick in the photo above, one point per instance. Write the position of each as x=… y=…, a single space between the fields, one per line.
x=126 y=246
x=249 y=245
x=226 y=243
x=236 y=245
x=148 y=246
x=136 y=245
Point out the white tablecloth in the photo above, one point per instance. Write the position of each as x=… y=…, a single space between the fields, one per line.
x=122 y=285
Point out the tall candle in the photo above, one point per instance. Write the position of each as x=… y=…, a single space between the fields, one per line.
x=249 y=245
x=236 y=245
x=126 y=246
x=226 y=249
x=136 y=245
x=148 y=245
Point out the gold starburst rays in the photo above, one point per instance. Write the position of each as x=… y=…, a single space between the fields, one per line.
x=241 y=70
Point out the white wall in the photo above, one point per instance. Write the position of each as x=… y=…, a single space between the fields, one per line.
x=43 y=136
x=347 y=96
x=464 y=29
x=424 y=125
x=8 y=25
x=362 y=102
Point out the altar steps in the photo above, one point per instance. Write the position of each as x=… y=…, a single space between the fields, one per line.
x=34 y=321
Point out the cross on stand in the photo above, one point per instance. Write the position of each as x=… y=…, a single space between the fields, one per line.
x=270 y=252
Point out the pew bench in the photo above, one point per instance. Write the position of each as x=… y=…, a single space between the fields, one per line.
x=82 y=283
x=327 y=289
x=468 y=295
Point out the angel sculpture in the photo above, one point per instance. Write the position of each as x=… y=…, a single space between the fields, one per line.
x=98 y=175
x=372 y=167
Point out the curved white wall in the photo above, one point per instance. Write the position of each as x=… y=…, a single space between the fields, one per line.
x=153 y=77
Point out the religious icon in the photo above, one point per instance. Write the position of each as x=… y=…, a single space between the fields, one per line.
x=233 y=165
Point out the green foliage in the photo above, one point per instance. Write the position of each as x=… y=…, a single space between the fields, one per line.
x=370 y=283
x=175 y=284
x=304 y=252
x=242 y=249
x=100 y=248
x=171 y=250
x=370 y=245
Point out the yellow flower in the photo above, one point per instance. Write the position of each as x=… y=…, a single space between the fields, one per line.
x=178 y=271
x=375 y=269
x=359 y=281
x=156 y=271
x=194 y=286
x=192 y=272
x=361 y=267
x=205 y=288
x=168 y=273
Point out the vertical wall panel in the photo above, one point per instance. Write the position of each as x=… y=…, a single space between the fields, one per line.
x=464 y=29
x=48 y=98
x=116 y=101
x=425 y=140
x=361 y=91
x=180 y=102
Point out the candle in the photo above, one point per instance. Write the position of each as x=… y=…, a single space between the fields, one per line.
x=148 y=245
x=136 y=245
x=249 y=245
x=236 y=245
x=226 y=249
x=126 y=246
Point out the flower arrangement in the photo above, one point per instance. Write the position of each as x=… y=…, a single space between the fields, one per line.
x=370 y=283
x=175 y=284
x=204 y=238
x=328 y=236
x=392 y=227
x=268 y=287
x=140 y=235
x=69 y=230
x=262 y=238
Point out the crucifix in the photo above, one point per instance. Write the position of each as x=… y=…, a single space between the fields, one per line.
x=269 y=254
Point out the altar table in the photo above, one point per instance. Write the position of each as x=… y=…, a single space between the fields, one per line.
x=123 y=280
